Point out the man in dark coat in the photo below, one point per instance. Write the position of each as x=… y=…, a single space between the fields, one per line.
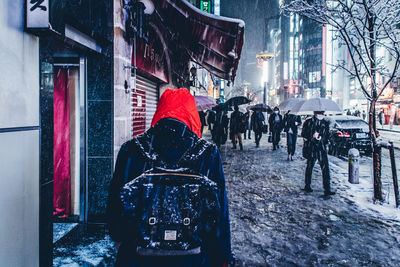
x=275 y=126
x=175 y=129
x=257 y=123
x=220 y=129
x=316 y=133
x=202 y=116
x=210 y=119
x=237 y=126
x=248 y=126
x=291 y=124
x=380 y=118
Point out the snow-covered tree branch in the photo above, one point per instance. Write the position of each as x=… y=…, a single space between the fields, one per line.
x=371 y=31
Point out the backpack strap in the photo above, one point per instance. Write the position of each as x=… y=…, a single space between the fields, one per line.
x=193 y=154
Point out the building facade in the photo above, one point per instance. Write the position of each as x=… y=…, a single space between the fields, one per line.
x=20 y=133
x=58 y=105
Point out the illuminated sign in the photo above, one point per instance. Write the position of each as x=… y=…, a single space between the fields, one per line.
x=205 y=6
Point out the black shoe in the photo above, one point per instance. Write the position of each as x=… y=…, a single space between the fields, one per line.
x=329 y=193
x=308 y=189
x=291 y=158
x=241 y=146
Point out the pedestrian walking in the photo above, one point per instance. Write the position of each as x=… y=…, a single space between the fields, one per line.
x=210 y=119
x=202 y=116
x=364 y=114
x=221 y=127
x=248 y=125
x=257 y=125
x=380 y=117
x=151 y=234
x=237 y=126
x=316 y=133
x=291 y=124
x=275 y=127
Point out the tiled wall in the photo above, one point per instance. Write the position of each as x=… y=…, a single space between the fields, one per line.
x=100 y=131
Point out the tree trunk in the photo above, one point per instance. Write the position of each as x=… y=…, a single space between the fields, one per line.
x=377 y=171
x=376 y=155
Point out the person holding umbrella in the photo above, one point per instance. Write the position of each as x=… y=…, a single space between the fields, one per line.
x=257 y=124
x=248 y=125
x=237 y=126
x=316 y=133
x=276 y=126
x=291 y=123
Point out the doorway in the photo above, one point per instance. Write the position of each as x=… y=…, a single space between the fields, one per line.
x=69 y=145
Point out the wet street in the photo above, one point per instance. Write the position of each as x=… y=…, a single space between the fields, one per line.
x=275 y=223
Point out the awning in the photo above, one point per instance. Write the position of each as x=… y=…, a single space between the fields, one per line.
x=212 y=41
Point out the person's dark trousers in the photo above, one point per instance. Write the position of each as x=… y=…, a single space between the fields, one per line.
x=326 y=176
x=291 y=143
x=249 y=134
x=276 y=138
x=257 y=136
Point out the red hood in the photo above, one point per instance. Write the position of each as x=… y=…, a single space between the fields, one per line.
x=178 y=104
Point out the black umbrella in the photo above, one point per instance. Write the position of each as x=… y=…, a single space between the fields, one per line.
x=237 y=101
x=221 y=107
x=261 y=107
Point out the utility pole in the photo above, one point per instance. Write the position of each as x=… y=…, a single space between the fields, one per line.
x=262 y=60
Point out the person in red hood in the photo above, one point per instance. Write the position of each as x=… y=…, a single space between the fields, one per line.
x=176 y=128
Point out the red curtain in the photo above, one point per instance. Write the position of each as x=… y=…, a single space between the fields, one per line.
x=61 y=156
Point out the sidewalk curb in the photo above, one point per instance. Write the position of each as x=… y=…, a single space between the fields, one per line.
x=388 y=130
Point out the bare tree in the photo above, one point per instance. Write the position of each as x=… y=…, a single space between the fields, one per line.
x=363 y=26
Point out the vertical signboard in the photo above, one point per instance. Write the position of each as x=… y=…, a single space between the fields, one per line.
x=37 y=14
x=205 y=5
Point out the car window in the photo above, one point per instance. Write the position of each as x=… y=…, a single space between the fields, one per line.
x=351 y=124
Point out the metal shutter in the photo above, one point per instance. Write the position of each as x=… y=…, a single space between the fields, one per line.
x=147 y=91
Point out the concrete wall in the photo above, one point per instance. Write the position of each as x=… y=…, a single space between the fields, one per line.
x=19 y=153
x=122 y=100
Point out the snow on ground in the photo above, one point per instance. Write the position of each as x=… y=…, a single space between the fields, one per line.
x=275 y=223
x=85 y=246
x=61 y=229
x=362 y=193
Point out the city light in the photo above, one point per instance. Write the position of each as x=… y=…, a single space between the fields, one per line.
x=264 y=77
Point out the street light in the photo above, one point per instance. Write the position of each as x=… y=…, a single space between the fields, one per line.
x=262 y=60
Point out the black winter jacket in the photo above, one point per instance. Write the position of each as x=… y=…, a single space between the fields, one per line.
x=289 y=121
x=314 y=145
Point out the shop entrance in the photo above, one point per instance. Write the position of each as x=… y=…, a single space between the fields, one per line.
x=69 y=145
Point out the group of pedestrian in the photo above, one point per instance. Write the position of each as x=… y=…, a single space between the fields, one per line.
x=167 y=201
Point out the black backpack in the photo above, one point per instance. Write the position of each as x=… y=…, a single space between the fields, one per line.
x=172 y=211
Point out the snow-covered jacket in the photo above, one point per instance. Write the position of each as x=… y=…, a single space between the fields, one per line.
x=168 y=139
x=313 y=145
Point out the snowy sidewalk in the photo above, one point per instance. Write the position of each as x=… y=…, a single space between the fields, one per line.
x=275 y=223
